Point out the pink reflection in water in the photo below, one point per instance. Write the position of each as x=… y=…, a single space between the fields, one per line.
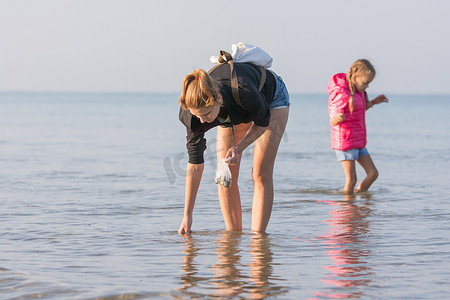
x=345 y=243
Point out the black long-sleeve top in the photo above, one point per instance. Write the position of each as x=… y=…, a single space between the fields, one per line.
x=256 y=105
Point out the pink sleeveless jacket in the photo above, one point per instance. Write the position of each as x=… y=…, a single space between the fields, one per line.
x=351 y=133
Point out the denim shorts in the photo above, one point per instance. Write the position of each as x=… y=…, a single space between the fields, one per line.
x=352 y=154
x=281 y=98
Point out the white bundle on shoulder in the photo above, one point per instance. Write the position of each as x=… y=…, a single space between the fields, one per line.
x=242 y=52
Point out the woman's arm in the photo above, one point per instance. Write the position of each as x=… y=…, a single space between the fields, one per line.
x=252 y=135
x=193 y=177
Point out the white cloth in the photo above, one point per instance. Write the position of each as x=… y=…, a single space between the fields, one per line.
x=242 y=52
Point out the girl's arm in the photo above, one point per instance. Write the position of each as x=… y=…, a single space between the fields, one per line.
x=193 y=177
x=378 y=100
x=252 y=135
x=336 y=108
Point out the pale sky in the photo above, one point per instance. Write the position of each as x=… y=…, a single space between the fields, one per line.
x=148 y=46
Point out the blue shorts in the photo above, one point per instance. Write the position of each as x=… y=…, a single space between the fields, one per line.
x=352 y=154
x=281 y=98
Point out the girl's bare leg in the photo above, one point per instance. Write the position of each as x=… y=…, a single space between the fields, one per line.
x=350 y=176
x=229 y=198
x=266 y=147
x=372 y=173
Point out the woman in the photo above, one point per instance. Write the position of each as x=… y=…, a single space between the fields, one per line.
x=250 y=113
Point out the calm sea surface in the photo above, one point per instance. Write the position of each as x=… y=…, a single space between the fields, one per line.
x=92 y=195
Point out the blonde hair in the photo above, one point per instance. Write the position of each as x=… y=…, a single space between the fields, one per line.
x=199 y=90
x=358 y=68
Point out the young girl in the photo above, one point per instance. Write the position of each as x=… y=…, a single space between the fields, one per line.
x=347 y=105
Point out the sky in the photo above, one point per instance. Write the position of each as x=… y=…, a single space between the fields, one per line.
x=149 y=46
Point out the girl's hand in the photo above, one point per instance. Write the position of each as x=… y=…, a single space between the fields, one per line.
x=339 y=118
x=379 y=99
x=185 y=227
x=232 y=155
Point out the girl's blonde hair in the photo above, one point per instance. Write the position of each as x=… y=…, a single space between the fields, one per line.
x=358 y=68
x=199 y=90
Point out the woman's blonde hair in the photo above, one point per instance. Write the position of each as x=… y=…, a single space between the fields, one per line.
x=358 y=68
x=199 y=90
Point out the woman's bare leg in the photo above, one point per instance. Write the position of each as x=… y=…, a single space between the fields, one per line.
x=264 y=154
x=229 y=198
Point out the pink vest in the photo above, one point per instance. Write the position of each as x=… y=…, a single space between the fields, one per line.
x=351 y=133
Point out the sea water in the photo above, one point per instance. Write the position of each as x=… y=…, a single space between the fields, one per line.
x=92 y=195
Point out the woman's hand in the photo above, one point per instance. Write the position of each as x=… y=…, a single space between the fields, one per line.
x=379 y=99
x=185 y=227
x=232 y=155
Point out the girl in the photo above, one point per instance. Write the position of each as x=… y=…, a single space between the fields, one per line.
x=346 y=107
x=261 y=115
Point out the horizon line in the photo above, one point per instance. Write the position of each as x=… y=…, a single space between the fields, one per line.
x=176 y=93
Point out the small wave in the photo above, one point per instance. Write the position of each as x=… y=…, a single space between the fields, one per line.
x=24 y=286
x=313 y=191
x=113 y=175
x=130 y=191
x=325 y=191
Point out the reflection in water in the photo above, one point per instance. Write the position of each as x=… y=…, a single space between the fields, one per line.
x=345 y=244
x=189 y=268
x=233 y=278
x=228 y=280
x=261 y=269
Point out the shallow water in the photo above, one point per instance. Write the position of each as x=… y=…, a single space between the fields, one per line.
x=92 y=192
